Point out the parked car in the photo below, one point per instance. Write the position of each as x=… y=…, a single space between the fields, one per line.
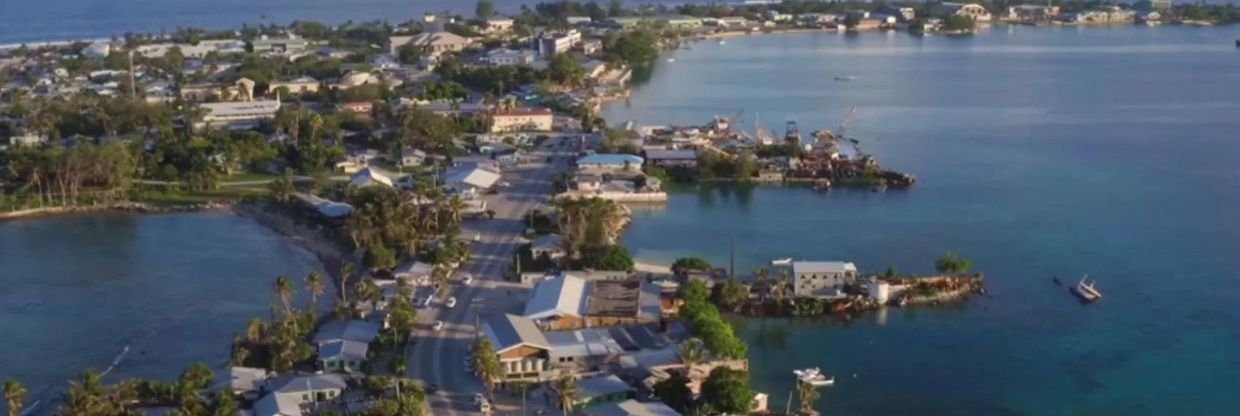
x=437 y=326
x=451 y=302
x=467 y=279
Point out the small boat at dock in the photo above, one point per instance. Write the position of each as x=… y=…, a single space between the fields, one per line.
x=813 y=377
x=722 y=42
x=782 y=262
x=1086 y=291
x=669 y=60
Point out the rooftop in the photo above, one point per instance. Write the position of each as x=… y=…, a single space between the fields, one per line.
x=614 y=298
x=507 y=331
x=589 y=342
x=518 y=112
x=232 y=109
x=671 y=155
x=593 y=387
x=352 y=330
x=344 y=349
x=610 y=159
x=631 y=408
x=560 y=296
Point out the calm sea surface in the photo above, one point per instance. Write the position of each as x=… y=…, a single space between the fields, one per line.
x=172 y=289
x=1040 y=152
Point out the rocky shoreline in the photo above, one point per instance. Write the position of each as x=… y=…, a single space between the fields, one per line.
x=127 y=206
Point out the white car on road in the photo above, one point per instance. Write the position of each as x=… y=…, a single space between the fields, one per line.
x=451 y=302
x=437 y=326
x=467 y=279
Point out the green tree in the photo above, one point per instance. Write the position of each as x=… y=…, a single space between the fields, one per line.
x=486 y=363
x=959 y=24
x=952 y=264
x=565 y=389
x=731 y=294
x=315 y=287
x=684 y=264
x=695 y=292
x=484 y=9
x=284 y=289
x=691 y=352
x=379 y=257
x=14 y=396
x=675 y=393
x=727 y=391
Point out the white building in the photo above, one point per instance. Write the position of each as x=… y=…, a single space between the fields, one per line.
x=499 y=24
x=549 y=44
x=505 y=56
x=821 y=278
x=289 y=395
x=239 y=114
x=97 y=50
x=522 y=119
x=368 y=177
x=470 y=179
x=971 y=10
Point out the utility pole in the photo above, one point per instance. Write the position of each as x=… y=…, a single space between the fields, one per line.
x=133 y=89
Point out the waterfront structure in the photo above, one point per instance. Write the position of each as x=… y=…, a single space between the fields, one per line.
x=610 y=162
x=239 y=114
x=498 y=24
x=673 y=21
x=291 y=45
x=522 y=119
x=686 y=158
x=631 y=408
x=290 y=394
x=971 y=10
x=821 y=278
x=246 y=382
x=1101 y=16
x=567 y=302
x=505 y=56
x=549 y=44
x=1031 y=12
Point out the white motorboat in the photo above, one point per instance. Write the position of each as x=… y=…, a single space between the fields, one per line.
x=782 y=262
x=671 y=60
x=814 y=377
x=846 y=78
x=1086 y=291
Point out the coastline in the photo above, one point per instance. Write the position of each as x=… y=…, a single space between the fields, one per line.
x=134 y=207
x=331 y=255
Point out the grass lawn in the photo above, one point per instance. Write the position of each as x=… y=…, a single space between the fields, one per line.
x=161 y=197
x=247 y=177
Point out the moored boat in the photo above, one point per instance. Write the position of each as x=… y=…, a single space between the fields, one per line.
x=813 y=377
x=782 y=262
x=1086 y=291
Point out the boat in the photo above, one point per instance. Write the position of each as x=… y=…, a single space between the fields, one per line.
x=1086 y=291
x=845 y=77
x=722 y=42
x=814 y=377
x=1056 y=280
x=782 y=262
x=671 y=59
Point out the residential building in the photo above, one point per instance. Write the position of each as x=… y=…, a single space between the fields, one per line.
x=97 y=50
x=904 y=14
x=592 y=46
x=524 y=353
x=300 y=85
x=672 y=158
x=239 y=114
x=368 y=176
x=291 y=45
x=505 y=56
x=610 y=162
x=548 y=44
x=290 y=395
x=470 y=179
x=567 y=302
x=550 y=246
x=192 y=51
x=972 y=10
x=522 y=119
x=600 y=390
x=363 y=108
x=343 y=356
x=631 y=408
x=412 y=157
x=27 y=139
x=434 y=43
x=682 y=22
x=246 y=382
x=821 y=278
x=1032 y=12
x=499 y=25
x=579 y=20
x=776 y=16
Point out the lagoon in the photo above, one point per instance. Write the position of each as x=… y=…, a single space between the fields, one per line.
x=1039 y=152
x=151 y=294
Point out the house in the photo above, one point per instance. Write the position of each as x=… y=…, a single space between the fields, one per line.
x=549 y=245
x=1031 y=12
x=672 y=158
x=630 y=408
x=291 y=45
x=682 y=22
x=362 y=108
x=821 y=278
x=548 y=44
x=291 y=393
x=350 y=330
x=412 y=157
x=567 y=302
x=602 y=390
x=27 y=139
x=342 y=356
x=971 y=10
x=904 y=14
x=300 y=85
x=434 y=43
x=97 y=50
x=505 y=56
x=522 y=119
x=239 y=114
x=470 y=179
x=592 y=46
x=368 y=177
x=498 y=25
x=524 y=353
x=776 y=16
x=328 y=209
x=610 y=162
x=246 y=382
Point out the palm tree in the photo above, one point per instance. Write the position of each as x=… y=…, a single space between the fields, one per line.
x=368 y=291
x=314 y=285
x=316 y=123
x=779 y=287
x=14 y=396
x=486 y=364
x=346 y=272
x=565 y=392
x=806 y=396
x=340 y=309
x=284 y=289
x=691 y=352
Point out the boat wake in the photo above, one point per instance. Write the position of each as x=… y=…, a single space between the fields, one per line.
x=116 y=361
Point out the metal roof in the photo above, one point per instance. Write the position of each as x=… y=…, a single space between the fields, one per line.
x=352 y=330
x=474 y=176
x=799 y=267
x=610 y=159
x=589 y=388
x=631 y=408
x=507 y=331
x=560 y=296
x=343 y=349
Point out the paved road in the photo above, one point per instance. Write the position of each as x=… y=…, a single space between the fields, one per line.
x=438 y=357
